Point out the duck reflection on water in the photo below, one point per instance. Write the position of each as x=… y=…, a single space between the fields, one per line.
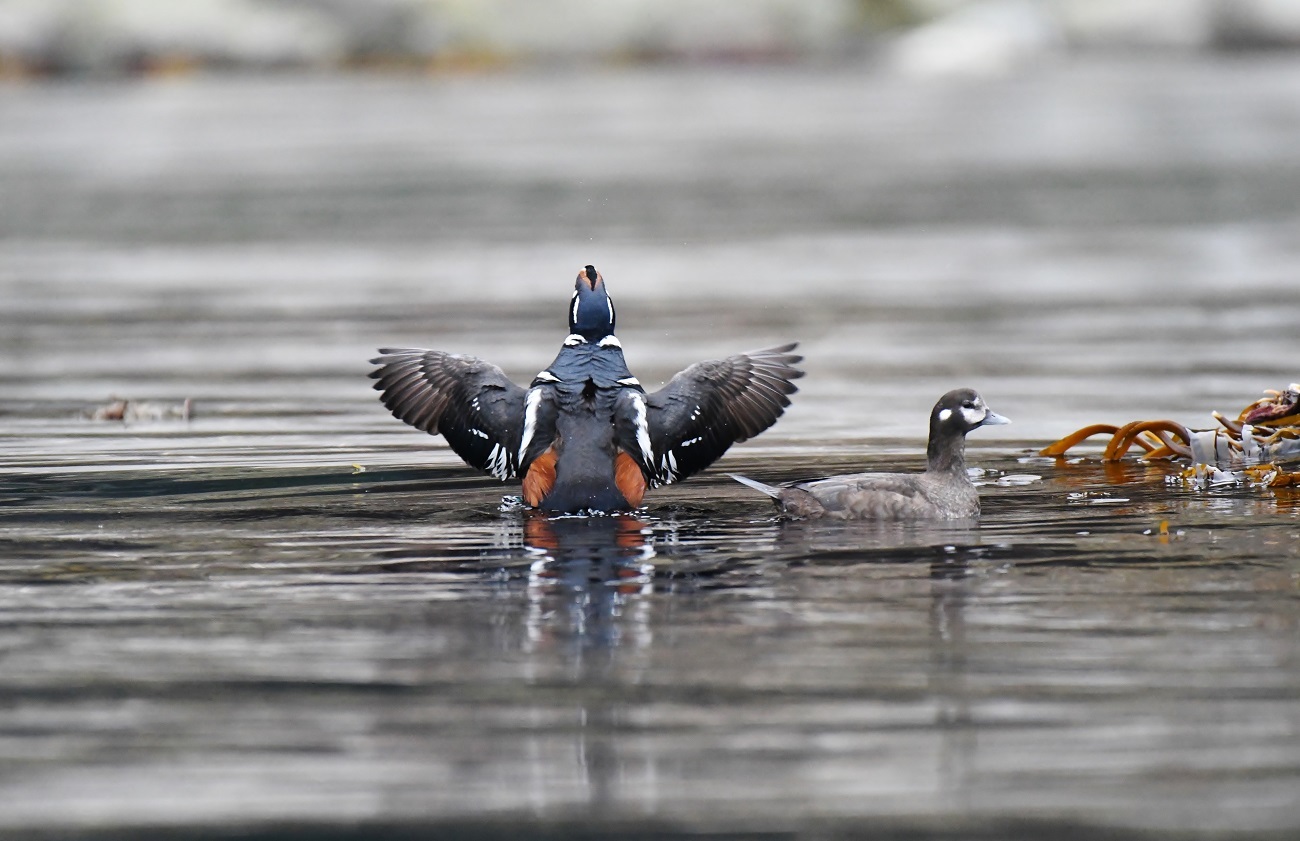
x=590 y=568
x=586 y=596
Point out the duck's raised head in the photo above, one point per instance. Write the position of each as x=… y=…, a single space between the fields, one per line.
x=591 y=312
x=957 y=412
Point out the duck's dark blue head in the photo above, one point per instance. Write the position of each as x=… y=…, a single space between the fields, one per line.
x=591 y=312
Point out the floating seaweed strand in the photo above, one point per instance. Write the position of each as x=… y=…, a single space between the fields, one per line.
x=1245 y=449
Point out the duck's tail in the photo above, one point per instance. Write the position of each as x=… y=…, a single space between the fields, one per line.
x=773 y=492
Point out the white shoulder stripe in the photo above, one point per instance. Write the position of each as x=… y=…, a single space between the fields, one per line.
x=574 y=339
x=547 y=376
x=642 y=430
x=530 y=420
x=611 y=341
x=628 y=381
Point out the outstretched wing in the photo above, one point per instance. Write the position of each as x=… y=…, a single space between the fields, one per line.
x=685 y=426
x=469 y=402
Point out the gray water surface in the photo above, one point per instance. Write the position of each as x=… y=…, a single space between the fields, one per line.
x=293 y=614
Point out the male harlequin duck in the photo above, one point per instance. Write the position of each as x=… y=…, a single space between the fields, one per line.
x=585 y=436
x=942 y=492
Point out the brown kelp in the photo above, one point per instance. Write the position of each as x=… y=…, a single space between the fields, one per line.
x=1247 y=448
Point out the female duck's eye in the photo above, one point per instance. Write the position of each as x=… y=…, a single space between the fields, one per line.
x=968 y=405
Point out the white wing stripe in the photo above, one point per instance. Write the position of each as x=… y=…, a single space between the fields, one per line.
x=668 y=469
x=498 y=464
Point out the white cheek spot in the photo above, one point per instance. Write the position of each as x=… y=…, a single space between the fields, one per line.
x=945 y=414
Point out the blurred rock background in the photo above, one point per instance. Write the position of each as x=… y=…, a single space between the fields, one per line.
x=921 y=37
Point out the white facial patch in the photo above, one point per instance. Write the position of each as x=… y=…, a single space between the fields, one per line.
x=944 y=414
x=973 y=417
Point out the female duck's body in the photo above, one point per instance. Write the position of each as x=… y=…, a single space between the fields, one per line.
x=942 y=492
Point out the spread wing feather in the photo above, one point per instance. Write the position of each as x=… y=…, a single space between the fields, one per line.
x=469 y=402
x=685 y=426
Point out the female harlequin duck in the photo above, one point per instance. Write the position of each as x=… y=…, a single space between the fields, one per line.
x=585 y=436
x=942 y=492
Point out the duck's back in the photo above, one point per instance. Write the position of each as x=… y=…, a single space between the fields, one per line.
x=585 y=469
x=884 y=496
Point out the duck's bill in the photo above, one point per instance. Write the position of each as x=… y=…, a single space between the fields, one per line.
x=994 y=419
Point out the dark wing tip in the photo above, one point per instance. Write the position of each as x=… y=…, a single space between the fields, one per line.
x=779 y=357
x=469 y=402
